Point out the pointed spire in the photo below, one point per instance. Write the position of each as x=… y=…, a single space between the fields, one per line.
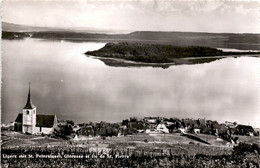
x=29 y=104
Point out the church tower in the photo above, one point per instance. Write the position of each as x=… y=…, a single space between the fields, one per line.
x=29 y=116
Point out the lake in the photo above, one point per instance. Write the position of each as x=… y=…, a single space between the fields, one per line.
x=67 y=83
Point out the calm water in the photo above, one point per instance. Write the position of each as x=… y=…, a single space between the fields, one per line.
x=67 y=83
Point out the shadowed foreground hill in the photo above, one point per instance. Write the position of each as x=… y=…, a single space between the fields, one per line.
x=157 y=53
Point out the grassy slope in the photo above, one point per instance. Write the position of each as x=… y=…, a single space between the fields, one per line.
x=148 y=142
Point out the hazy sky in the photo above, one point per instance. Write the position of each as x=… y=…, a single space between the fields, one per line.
x=202 y=16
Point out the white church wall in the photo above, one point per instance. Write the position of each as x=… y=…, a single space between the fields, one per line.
x=27 y=129
x=45 y=130
x=37 y=130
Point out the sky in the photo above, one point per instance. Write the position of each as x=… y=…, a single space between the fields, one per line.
x=196 y=16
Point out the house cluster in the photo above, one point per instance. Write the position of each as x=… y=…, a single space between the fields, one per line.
x=162 y=125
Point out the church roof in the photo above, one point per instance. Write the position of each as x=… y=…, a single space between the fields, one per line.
x=45 y=120
x=41 y=120
x=19 y=118
x=29 y=104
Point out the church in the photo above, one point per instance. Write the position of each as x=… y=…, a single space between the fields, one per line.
x=29 y=122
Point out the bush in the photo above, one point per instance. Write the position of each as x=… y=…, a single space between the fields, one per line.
x=244 y=148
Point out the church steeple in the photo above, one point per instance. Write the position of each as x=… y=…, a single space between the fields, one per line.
x=29 y=104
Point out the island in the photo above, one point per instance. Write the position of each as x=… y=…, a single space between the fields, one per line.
x=159 y=55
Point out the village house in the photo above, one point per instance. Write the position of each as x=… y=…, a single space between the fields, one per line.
x=29 y=122
x=196 y=130
x=230 y=124
x=243 y=130
x=121 y=130
x=162 y=128
x=152 y=123
x=183 y=130
x=86 y=131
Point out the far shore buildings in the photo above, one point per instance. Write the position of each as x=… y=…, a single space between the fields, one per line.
x=29 y=122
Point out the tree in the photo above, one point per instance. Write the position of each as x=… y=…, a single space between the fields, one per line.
x=133 y=119
x=158 y=121
x=71 y=122
x=178 y=125
x=125 y=122
x=212 y=129
x=63 y=131
x=198 y=122
x=67 y=130
x=192 y=128
x=183 y=124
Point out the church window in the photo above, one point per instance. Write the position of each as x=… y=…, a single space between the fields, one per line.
x=28 y=112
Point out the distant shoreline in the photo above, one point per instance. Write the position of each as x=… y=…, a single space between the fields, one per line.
x=215 y=40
